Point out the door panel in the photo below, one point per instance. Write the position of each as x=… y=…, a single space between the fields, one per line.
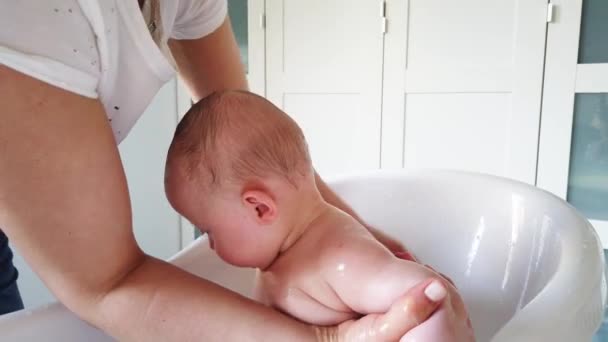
x=435 y=126
x=324 y=68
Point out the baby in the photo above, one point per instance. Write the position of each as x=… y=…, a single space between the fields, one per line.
x=239 y=169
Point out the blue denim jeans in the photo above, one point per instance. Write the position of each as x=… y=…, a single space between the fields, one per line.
x=10 y=299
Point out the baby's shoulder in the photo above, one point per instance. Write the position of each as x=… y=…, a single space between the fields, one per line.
x=355 y=248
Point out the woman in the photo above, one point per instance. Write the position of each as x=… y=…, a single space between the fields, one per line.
x=74 y=78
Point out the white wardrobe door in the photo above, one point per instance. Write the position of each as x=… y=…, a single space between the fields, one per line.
x=463 y=85
x=324 y=68
x=573 y=152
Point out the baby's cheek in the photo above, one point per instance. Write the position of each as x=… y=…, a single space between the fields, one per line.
x=229 y=252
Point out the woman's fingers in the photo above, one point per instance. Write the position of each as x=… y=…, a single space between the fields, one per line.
x=406 y=255
x=413 y=308
x=409 y=311
x=441 y=274
x=456 y=301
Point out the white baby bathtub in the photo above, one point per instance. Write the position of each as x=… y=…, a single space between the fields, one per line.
x=529 y=267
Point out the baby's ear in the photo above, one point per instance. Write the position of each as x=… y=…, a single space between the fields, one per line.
x=260 y=205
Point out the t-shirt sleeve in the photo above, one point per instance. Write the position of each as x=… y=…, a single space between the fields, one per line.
x=51 y=41
x=198 y=18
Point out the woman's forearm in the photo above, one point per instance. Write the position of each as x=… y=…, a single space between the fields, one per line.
x=157 y=301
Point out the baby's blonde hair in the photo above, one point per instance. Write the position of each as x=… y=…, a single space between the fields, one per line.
x=238 y=136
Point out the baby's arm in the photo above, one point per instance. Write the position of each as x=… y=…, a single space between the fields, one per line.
x=367 y=277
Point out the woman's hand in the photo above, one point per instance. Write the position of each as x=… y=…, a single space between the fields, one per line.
x=416 y=306
x=458 y=321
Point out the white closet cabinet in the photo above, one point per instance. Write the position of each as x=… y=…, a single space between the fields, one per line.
x=463 y=84
x=448 y=85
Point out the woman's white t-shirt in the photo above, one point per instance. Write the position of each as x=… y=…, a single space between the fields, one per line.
x=101 y=48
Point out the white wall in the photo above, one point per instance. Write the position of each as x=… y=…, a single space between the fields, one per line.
x=143 y=153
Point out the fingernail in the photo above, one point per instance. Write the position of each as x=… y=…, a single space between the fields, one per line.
x=435 y=291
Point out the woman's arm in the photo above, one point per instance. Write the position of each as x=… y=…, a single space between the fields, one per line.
x=210 y=63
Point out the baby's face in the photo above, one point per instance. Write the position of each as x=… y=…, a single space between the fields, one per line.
x=228 y=231
x=233 y=232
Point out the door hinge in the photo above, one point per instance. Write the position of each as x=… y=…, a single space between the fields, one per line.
x=550 y=12
x=383 y=15
x=263 y=20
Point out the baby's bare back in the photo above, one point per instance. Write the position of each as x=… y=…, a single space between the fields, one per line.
x=337 y=271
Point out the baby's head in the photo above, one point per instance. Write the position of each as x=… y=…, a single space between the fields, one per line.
x=239 y=169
